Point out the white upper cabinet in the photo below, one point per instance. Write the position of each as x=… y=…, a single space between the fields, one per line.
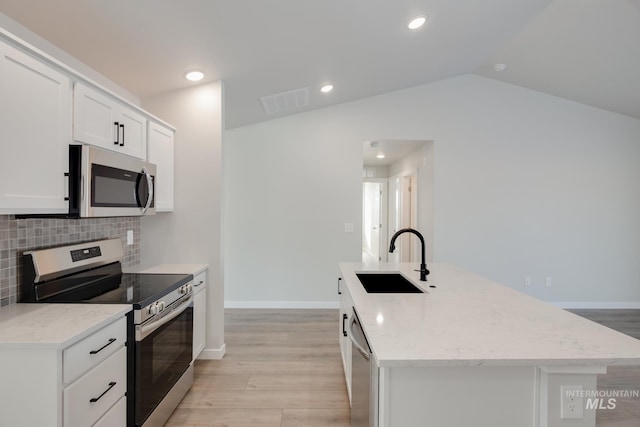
x=35 y=131
x=104 y=122
x=161 y=154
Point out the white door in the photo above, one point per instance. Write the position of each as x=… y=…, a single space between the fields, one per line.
x=374 y=195
x=403 y=214
x=35 y=125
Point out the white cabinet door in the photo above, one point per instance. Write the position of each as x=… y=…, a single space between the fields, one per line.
x=104 y=122
x=161 y=154
x=133 y=138
x=35 y=125
x=199 y=313
x=346 y=310
x=94 y=118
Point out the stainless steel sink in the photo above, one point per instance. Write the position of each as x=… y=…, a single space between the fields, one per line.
x=387 y=283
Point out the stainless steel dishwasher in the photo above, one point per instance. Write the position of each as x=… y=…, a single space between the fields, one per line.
x=364 y=378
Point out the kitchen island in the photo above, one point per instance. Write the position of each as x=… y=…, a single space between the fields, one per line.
x=468 y=351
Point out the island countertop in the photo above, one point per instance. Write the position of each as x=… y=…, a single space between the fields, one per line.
x=467 y=320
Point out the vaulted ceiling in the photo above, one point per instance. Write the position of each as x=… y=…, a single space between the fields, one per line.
x=584 y=50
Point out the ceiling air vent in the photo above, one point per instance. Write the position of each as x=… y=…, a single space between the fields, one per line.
x=285 y=101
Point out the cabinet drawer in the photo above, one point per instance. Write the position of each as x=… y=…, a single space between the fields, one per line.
x=200 y=281
x=91 y=396
x=116 y=416
x=89 y=352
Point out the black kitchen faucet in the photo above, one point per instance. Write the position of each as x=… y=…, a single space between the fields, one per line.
x=423 y=266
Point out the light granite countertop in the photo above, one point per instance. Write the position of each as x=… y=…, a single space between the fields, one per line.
x=54 y=325
x=167 y=269
x=467 y=320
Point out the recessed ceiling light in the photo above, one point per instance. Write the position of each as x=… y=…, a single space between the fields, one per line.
x=416 y=22
x=500 y=67
x=380 y=155
x=326 y=88
x=194 y=76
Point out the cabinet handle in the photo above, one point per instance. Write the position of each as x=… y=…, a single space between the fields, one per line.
x=199 y=283
x=339 y=279
x=95 y=399
x=66 y=186
x=117 y=141
x=344 y=330
x=122 y=142
x=111 y=341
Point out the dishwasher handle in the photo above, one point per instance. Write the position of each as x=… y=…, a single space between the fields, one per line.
x=355 y=334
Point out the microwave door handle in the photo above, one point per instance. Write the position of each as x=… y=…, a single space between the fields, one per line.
x=150 y=187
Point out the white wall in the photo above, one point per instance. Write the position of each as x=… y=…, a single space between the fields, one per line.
x=291 y=186
x=525 y=184
x=192 y=234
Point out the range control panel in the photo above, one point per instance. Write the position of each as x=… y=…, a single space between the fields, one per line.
x=86 y=253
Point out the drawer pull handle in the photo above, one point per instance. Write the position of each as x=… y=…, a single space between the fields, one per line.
x=111 y=341
x=95 y=399
x=200 y=283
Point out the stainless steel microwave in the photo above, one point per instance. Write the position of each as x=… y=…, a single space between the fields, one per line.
x=104 y=183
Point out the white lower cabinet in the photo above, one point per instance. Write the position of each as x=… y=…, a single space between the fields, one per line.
x=94 y=372
x=70 y=390
x=346 y=309
x=92 y=395
x=115 y=415
x=199 y=312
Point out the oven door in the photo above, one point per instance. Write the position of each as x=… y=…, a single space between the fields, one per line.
x=162 y=356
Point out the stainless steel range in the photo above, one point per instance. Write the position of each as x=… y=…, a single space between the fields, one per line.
x=160 y=336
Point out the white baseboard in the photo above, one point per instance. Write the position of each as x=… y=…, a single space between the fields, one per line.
x=212 y=353
x=591 y=305
x=282 y=304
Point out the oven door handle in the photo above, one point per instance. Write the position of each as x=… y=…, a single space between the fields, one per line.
x=144 y=331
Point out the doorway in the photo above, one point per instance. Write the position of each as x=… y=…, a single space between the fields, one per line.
x=396 y=176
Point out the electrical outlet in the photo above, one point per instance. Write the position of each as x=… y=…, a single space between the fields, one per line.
x=129 y=237
x=527 y=281
x=547 y=281
x=571 y=402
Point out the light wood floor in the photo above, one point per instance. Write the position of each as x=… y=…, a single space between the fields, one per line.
x=627 y=411
x=283 y=369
